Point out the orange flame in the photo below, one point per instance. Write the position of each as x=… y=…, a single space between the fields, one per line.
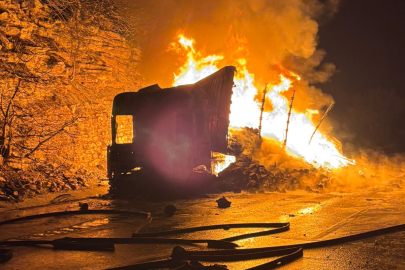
x=245 y=111
x=196 y=67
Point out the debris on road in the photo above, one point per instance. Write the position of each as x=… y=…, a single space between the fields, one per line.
x=223 y=202
x=17 y=185
x=170 y=210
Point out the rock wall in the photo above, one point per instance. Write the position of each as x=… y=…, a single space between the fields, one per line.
x=80 y=68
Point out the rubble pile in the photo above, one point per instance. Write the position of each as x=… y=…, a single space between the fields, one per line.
x=18 y=185
x=265 y=167
x=249 y=175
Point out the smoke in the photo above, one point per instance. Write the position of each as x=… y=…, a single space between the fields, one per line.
x=271 y=35
x=272 y=32
x=373 y=170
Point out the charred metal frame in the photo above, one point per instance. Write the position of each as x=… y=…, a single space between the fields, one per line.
x=176 y=129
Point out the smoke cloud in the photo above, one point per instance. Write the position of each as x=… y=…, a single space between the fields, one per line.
x=265 y=32
x=271 y=35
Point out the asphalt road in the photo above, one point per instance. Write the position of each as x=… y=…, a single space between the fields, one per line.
x=312 y=217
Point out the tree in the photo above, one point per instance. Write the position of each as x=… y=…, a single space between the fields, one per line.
x=59 y=58
x=30 y=115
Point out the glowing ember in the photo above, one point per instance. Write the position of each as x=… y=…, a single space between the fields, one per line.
x=220 y=162
x=245 y=111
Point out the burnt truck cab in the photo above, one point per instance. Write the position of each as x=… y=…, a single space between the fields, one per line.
x=165 y=136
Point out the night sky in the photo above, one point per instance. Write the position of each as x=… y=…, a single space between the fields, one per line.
x=366 y=42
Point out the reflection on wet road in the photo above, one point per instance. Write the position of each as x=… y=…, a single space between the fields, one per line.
x=312 y=217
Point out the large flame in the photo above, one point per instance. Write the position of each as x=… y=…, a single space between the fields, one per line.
x=197 y=67
x=245 y=111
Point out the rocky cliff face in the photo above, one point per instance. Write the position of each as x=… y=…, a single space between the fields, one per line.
x=67 y=69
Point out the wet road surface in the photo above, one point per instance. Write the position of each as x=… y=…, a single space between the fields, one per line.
x=312 y=216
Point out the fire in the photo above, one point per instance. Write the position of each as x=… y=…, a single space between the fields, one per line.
x=220 y=162
x=245 y=111
x=196 y=67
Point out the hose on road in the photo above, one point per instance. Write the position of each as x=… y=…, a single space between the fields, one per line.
x=186 y=259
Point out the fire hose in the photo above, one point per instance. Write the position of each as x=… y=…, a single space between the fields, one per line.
x=188 y=259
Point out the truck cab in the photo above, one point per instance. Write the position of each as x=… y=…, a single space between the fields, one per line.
x=167 y=136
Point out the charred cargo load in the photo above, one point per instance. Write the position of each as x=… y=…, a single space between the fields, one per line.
x=160 y=136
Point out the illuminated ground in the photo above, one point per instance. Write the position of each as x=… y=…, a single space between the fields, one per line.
x=312 y=217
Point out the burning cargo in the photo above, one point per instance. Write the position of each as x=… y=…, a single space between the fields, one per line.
x=162 y=136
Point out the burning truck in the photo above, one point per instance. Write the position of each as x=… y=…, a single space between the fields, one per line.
x=167 y=137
